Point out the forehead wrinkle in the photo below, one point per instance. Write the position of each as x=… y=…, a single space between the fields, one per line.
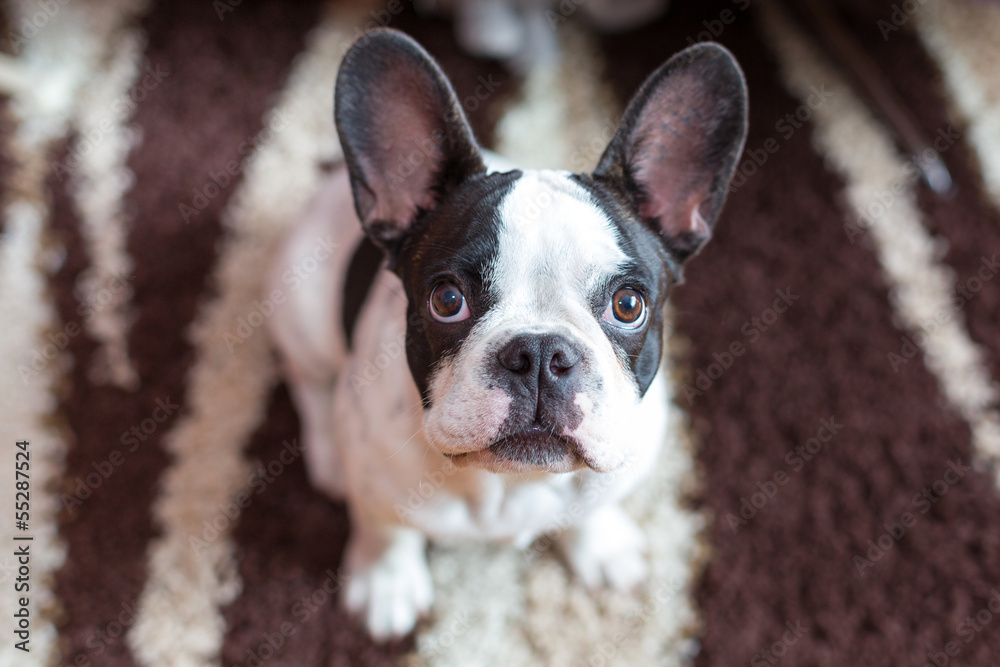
x=552 y=235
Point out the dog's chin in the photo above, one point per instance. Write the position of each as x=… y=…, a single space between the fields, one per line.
x=528 y=451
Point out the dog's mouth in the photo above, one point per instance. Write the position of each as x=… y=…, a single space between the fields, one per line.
x=531 y=450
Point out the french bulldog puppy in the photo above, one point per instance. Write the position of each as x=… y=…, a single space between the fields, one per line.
x=477 y=357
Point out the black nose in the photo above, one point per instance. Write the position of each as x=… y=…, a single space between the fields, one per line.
x=546 y=358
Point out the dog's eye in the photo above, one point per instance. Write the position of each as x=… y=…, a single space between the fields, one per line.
x=447 y=303
x=627 y=309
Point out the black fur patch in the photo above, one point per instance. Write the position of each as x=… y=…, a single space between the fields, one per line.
x=455 y=241
x=653 y=269
x=361 y=273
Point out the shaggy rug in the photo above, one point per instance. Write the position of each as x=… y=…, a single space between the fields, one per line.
x=829 y=496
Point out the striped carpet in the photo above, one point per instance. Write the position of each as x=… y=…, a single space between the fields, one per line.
x=830 y=496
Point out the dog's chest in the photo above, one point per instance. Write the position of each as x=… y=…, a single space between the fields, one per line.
x=474 y=505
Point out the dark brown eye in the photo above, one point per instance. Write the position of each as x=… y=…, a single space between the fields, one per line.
x=447 y=303
x=627 y=309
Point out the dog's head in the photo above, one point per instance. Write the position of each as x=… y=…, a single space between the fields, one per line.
x=535 y=321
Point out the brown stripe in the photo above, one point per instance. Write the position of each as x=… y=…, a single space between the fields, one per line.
x=219 y=85
x=968 y=222
x=6 y=124
x=825 y=357
x=880 y=191
x=6 y=159
x=291 y=538
x=99 y=533
x=6 y=34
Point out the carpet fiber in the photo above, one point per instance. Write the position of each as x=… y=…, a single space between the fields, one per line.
x=831 y=498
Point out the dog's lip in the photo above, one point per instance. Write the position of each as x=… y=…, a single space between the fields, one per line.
x=493 y=457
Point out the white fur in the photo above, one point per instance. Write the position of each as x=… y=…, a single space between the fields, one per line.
x=368 y=437
x=555 y=247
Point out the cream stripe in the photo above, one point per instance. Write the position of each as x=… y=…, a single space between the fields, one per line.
x=12 y=78
x=98 y=181
x=492 y=605
x=563 y=121
x=180 y=622
x=58 y=59
x=26 y=401
x=962 y=37
x=862 y=152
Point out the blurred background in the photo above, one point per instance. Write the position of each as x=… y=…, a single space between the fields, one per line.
x=834 y=350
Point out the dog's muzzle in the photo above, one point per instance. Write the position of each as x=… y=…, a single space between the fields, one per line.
x=541 y=373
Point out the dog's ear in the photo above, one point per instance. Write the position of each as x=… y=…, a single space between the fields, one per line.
x=678 y=144
x=406 y=140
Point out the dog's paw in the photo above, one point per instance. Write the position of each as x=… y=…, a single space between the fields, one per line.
x=607 y=549
x=390 y=589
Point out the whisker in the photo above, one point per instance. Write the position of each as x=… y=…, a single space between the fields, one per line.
x=405 y=443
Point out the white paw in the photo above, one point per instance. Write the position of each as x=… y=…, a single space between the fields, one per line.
x=393 y=589
x=607 y=549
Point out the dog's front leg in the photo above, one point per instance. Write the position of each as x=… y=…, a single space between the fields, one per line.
x=389 y=583
x=606 y=548
x=313 y=399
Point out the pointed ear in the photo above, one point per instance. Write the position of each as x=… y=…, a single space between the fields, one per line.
x=406 y=140
x=678 y=145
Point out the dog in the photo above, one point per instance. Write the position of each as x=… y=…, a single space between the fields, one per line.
x=476 y=351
